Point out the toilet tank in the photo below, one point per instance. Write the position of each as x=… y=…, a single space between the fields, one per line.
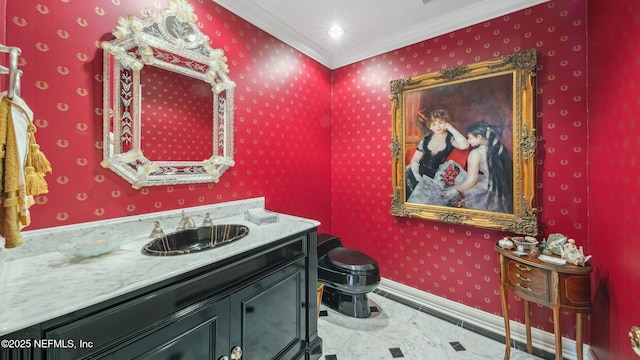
x=327 y=242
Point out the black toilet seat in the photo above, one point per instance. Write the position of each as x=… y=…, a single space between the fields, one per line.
x=351 y=259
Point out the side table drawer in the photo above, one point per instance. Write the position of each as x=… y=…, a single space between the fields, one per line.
x=528 y=281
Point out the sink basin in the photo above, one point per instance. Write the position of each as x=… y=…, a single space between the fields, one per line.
x=194 y=240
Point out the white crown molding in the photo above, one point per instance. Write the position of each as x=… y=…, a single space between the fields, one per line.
x=460 y=19
x=276 y=28
x=471 y=15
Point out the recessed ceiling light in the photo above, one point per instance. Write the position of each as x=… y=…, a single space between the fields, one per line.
x=335 y=31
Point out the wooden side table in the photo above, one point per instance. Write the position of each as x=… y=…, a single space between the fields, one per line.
x=554 y=286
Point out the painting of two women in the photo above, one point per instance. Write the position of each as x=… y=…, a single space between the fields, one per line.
x=459 y=147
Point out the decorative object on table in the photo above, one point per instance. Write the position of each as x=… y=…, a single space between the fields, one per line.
x=574 y=254
x=553 y=244
x=552 y=259
x=505 y=243
x=524 y=244
x=535 y=252
x=95 y=243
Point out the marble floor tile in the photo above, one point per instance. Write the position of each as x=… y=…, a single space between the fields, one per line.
x=398 y=331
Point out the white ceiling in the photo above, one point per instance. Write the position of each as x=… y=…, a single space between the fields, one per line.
x=372 y=27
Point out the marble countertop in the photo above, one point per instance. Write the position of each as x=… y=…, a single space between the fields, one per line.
x=37 y=288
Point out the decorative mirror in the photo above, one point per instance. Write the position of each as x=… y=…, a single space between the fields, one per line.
x=168 y=101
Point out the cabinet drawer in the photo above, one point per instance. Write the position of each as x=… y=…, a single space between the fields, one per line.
x=528 y=281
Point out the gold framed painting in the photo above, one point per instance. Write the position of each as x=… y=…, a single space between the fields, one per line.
x=464 y=144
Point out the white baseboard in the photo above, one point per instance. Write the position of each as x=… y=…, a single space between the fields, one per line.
x=540 y=339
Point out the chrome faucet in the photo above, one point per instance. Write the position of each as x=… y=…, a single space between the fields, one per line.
x=157 y=231
x=207 y=220
x=186 y=222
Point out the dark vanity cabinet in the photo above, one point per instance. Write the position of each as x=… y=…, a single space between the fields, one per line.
x=257 y=305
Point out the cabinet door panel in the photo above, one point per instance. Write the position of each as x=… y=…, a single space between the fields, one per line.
x=574 y=291
x=269 y=317
x=199 y=332
x=189 y=345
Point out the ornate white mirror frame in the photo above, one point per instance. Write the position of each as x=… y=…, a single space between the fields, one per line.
x=169 y=40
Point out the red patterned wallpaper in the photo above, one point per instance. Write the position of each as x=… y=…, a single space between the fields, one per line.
x=458 y=262
x=334 y=164
x=176 y=116
x=614 y=108
x=282 y=115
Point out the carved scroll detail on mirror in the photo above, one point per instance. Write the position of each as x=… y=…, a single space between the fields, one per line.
x=171 y=41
